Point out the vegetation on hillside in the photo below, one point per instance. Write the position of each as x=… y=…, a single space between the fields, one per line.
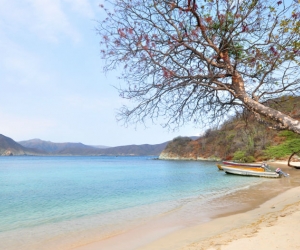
x=242 y=138
x=290 y=145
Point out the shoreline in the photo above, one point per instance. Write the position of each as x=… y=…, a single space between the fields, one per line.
x=274 y=200
x=237 y=231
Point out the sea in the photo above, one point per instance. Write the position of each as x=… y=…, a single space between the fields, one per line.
x=65 y=202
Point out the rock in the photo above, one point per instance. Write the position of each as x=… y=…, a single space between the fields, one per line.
x=8 y=153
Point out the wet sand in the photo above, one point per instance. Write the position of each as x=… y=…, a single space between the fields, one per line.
x=267 y=213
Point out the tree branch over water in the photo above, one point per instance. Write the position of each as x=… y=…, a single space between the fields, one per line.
x=196 y=61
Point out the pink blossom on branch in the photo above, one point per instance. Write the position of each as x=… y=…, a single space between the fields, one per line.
x=209 y=55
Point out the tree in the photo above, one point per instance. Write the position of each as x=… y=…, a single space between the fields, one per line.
x=197 y=61
x=290 y=159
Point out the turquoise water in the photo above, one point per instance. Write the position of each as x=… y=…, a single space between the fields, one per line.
x=45 y=191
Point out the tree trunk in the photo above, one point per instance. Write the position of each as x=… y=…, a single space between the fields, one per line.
x=284 y=121
x=291 y=159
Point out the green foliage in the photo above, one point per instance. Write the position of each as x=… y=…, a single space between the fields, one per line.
x=250 y=158
x=242 y=156
x=223 y=26
x=289 y=135
x=242 y=139
x=291 y=145
x=239 y=156
x=237 y=51
x=250 y=146
x=182 y=139
x=230 y=137
x=180 y=145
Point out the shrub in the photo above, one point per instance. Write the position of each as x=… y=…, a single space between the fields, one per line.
x=182 y=139
x=239 y=156
x=285 y=149
x=243 y=157
x=250 y=158
x=289 y=135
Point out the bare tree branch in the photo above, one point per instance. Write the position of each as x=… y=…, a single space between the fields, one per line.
x=195 y=61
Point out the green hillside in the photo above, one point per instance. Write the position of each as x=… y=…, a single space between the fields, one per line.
x=241 y=138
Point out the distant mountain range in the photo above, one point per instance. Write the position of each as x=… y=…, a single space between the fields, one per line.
x=56 y=148
x=9 y=147
x=39 y=147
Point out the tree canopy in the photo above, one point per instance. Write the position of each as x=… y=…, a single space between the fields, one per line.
x=196 y=61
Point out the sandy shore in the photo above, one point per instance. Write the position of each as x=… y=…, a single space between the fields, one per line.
x=270 y=221
x=274 y=225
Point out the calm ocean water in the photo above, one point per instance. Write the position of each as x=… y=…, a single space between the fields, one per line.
x=60 y=195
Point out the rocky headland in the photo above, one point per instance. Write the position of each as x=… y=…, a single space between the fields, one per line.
x=241 y=138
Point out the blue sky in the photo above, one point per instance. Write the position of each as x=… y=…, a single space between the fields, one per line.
x=51 y=80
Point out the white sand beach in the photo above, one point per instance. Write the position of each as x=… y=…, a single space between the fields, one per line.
x=268 y=225
x=274 y=225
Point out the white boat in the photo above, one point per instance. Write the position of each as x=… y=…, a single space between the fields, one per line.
x=232 y=163
x=253 y=172
x=220 y=167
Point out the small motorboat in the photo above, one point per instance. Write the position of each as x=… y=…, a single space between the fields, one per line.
x=258 y=168
x=252 y=171
x=232 y=163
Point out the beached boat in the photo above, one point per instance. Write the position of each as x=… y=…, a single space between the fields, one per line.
x=251 y=171
x=260 y=167
x=232 y=163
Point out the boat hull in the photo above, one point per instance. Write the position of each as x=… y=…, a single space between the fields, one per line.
x=220 y=167
x=242 y=164
x=250 y=172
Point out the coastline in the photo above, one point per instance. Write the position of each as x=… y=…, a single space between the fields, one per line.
x=273 y=224
x=268 y=207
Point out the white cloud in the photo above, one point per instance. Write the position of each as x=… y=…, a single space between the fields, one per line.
x=13 y=12
x=50 y=20
x=82 y=7
x=19 y=66
x=46 y=18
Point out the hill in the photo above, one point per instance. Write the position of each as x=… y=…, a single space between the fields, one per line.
x=9 y=147
x=241 y=138
x=56 y=148
x=145 y=149
x=52 y=148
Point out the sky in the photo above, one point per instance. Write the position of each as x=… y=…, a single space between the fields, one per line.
x=51 y=80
